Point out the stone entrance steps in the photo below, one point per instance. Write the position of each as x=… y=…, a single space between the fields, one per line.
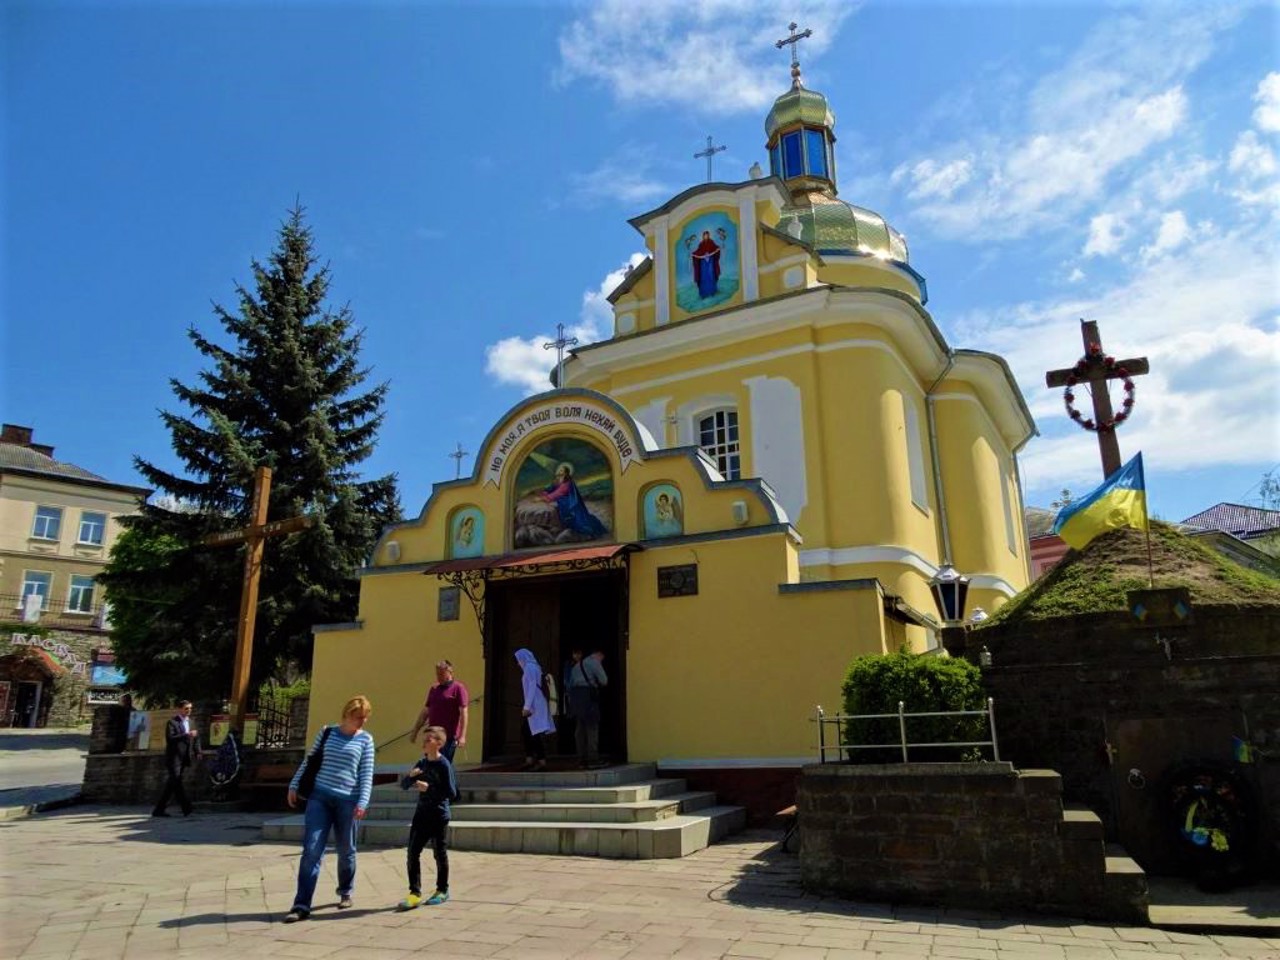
x=624 y=811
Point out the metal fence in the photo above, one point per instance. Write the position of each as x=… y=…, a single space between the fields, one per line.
x=839 y=724
x=53 y=613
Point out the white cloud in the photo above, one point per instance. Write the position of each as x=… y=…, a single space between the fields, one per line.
x=1171 y=177
x=527 y=362
x=714 y=56
x=616 y=180
x=1207 y=315
x=933 y=179
x=1080 y=129
x=1251 y=157
x=1075 y=276
x=1106 y=231
x=1172 y=233
x=1267 y=114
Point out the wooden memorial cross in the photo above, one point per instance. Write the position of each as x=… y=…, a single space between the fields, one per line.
x=253 y=536
x=1095 y=369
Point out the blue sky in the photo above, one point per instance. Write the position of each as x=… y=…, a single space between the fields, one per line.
x=468 y=170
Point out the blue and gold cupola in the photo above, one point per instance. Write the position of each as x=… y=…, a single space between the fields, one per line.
x=801 y=139
x=801 y=136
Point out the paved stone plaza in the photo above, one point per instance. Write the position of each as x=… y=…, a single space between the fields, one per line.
x=109 y=882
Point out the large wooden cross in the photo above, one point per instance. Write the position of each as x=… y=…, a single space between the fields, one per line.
x=1096 y=374
x=253 y=536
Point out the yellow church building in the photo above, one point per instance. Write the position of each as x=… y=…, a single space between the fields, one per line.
x=750 y=483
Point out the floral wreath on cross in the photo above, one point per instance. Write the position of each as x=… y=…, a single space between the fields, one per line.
x=1081 y=368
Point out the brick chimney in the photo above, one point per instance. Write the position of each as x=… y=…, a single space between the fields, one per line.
x=22 y=436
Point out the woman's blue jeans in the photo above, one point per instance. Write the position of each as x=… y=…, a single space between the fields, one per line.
x=326 y=812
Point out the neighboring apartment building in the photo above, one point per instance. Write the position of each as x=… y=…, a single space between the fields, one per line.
x=57 y=524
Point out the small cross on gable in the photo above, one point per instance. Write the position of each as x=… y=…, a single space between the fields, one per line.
x=558 y=345
x=710 y=152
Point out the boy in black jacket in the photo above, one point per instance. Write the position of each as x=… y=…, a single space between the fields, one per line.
x=434 y=779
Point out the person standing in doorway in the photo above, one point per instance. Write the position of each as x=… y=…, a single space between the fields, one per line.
x=536 y=710
x=179 y=749
x=447 y=705
x=585 y=681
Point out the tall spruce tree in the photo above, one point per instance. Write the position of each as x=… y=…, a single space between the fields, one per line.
x=287 y=395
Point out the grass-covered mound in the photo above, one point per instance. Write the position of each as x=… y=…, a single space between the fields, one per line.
x=1097 y=578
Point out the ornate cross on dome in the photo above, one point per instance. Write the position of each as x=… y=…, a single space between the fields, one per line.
x=792 y=40
x=558 y=345
x=710 y=152
x=457 y=456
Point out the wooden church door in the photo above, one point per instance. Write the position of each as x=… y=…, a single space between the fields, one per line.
x=526 y=613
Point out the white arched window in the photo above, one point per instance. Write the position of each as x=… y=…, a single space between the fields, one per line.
x=718 y=437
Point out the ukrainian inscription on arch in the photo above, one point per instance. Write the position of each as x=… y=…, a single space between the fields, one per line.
x=558 y=413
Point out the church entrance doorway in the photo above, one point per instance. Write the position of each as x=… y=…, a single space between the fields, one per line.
x=551 y=615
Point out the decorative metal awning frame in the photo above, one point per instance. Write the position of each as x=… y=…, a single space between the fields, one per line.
x=474 y=582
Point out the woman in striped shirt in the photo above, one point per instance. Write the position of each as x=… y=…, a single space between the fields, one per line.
x=340 y=798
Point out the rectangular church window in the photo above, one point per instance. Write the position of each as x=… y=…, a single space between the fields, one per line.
x=793 y=155
x=816 y=147
x=718 y=436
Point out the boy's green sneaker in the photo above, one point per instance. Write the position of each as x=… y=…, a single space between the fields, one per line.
x=437 y=898
x=411 y=902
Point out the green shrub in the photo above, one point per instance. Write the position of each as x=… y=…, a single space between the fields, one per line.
x=925 y=684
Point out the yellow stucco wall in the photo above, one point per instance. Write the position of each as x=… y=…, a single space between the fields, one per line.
x=735 y=671
x=701 y=670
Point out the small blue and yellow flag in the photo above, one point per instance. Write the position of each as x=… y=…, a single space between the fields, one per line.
x=1121 y=501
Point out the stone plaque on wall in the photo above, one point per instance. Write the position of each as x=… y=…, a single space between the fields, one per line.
x=681 y=581
x=447 y=608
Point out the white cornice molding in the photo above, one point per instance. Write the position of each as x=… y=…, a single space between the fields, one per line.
x=844 y=556
x=760 y=358
x=909 y=326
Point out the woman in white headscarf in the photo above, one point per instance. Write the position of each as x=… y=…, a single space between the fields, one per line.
x=536 y=711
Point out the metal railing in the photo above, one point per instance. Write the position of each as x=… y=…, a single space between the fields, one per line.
x=54 y=613
x=839 y=721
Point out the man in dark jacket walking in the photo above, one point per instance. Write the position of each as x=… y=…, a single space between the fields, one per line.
x=179 y=749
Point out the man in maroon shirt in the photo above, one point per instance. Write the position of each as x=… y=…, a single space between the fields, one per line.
x=446 y=706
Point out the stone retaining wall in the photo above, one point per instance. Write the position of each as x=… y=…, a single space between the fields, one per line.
x=1064 y=687
x=136 y=777
x=971 y=834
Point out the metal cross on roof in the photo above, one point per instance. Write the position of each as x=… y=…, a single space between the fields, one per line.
x=558 y=345
x=710 y=152
x=457 y=456
x=793 y=40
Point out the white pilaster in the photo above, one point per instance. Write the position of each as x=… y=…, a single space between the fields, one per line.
x=747 y=246
x=661 y=273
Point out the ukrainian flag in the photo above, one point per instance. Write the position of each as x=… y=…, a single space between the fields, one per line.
x=1121 y=501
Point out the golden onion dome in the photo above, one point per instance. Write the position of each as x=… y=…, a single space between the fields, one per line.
x=798 y=105
x=830 y=225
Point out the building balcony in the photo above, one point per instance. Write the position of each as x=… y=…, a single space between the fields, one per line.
x=56 y=614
